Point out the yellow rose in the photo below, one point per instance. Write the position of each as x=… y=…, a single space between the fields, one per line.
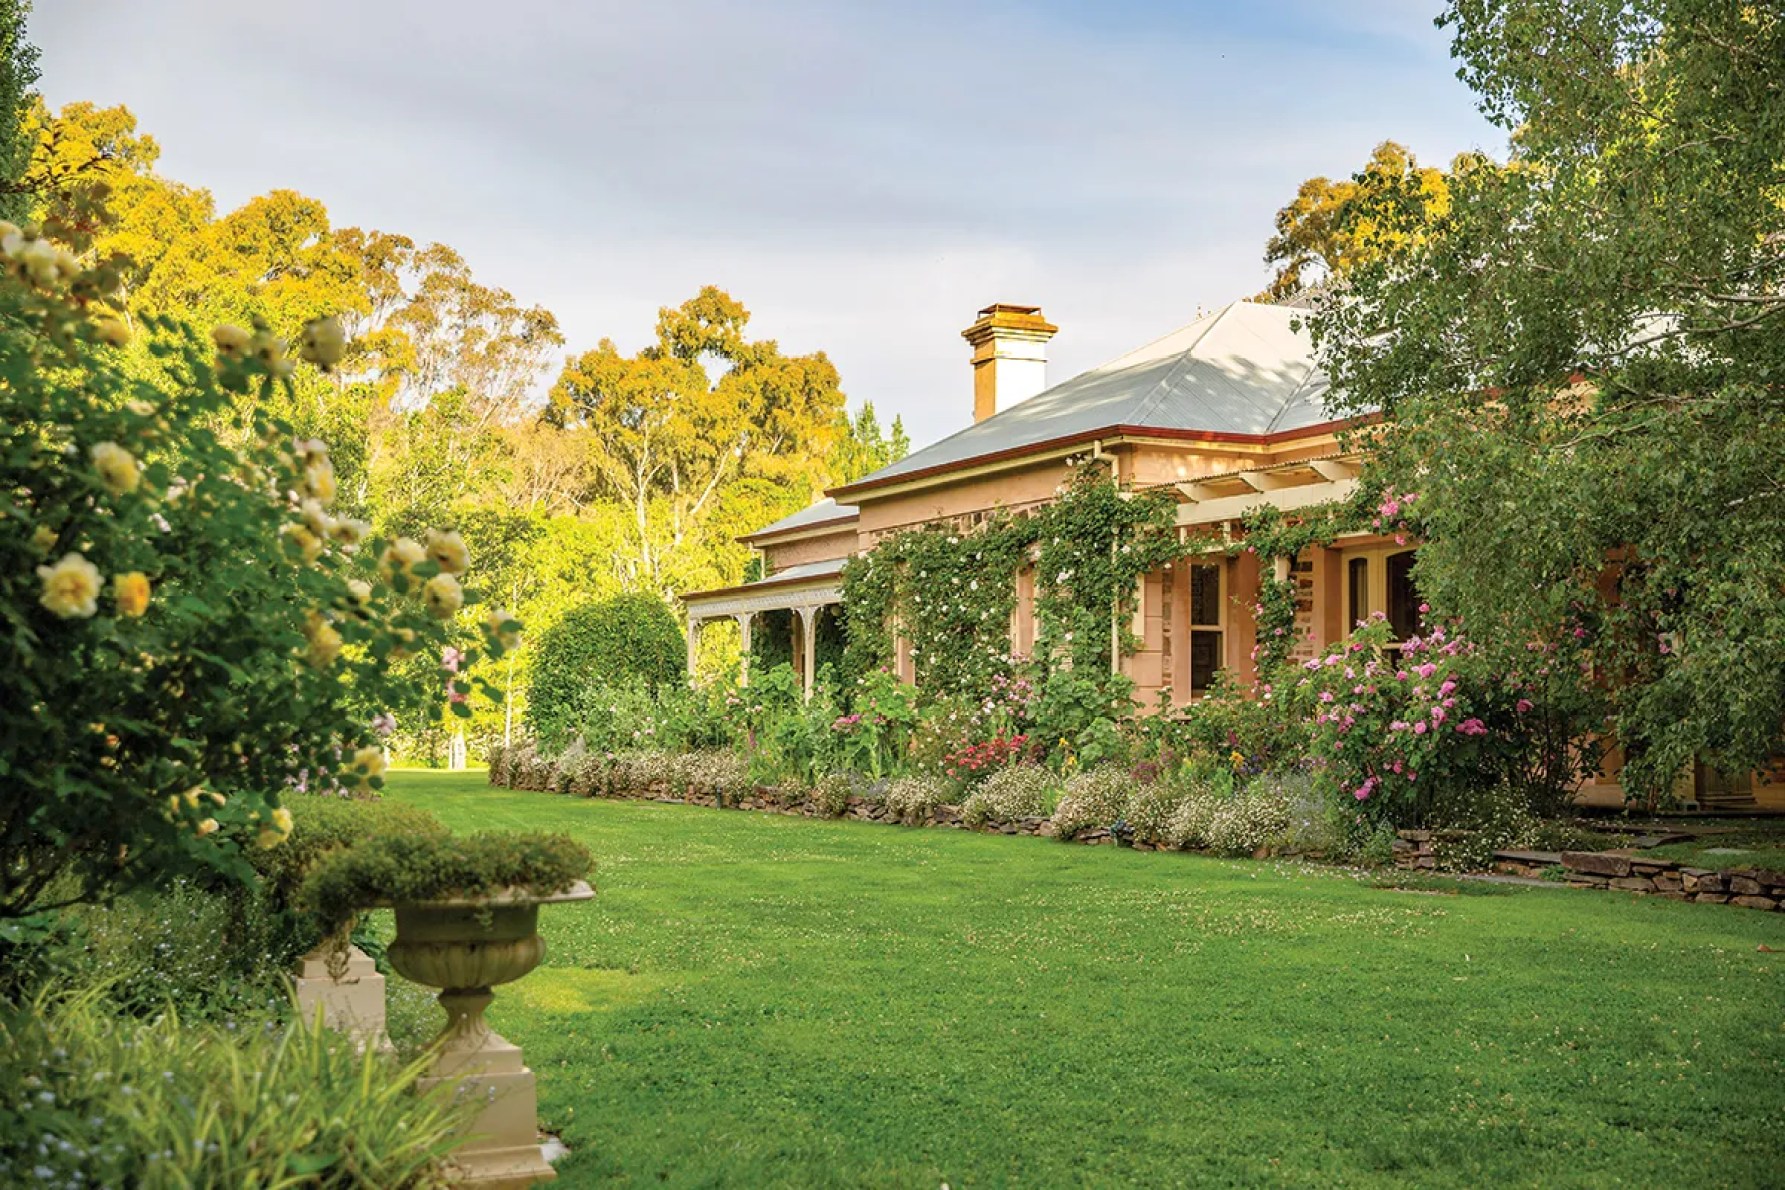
x=43 y=538
x=117 y=468
x=443 y=596
x=208 y=827
x=111 y=331
x=503 y=627
x=360 y=591
x=232 y=341
x=448 y=549
x=306 y=541
x=401 y=556
x=368 y=762
x=322 y=342
x=130 y=591
x=70 y=587
x=319 y=479
x=325 y=642
x=348 y=531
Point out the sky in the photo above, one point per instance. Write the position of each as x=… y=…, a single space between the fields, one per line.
x=862 y=176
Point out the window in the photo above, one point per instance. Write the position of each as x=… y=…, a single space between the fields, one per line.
x=1357 y=592
x=1205 y=626
x=1381 y=580
x=1403 y=597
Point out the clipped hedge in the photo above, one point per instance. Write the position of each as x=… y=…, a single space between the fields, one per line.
x=605 y=642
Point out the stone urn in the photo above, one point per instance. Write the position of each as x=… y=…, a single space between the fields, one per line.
x=465 y=947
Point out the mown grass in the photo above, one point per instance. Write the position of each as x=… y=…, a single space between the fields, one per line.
x=763 y=1001
x=1739 y=843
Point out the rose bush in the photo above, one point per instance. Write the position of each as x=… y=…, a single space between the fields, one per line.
x=1392 y=727
x=186 y=628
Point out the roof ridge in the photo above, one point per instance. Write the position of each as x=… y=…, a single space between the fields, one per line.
x=1313 y=369
x=1152 y=400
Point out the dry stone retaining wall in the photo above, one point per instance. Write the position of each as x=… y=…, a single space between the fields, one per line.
x=1620 y=871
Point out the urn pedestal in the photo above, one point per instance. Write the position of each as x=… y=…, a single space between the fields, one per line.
x=352 y=1003
x=465 y=948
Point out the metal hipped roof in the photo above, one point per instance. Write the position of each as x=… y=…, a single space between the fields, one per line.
x=823 y=512
x=1242 y=371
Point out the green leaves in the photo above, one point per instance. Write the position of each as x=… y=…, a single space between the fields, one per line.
x=1580 y=367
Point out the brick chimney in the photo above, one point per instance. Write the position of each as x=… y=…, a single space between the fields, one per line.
x=1009 y=356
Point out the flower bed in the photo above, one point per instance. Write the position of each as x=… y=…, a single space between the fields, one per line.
x=1103 y=807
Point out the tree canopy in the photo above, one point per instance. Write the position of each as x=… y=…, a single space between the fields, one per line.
x=1580 y=357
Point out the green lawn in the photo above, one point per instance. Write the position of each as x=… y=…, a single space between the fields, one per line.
x=755 y=1001
x=1732 y=843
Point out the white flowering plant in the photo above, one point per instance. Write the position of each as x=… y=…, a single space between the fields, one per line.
x=187 y=629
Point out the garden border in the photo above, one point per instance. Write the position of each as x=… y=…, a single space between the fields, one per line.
x=1622 y=870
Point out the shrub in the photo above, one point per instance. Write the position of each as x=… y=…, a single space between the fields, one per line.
x=604 y=643
x=976 y=762
x=832 y=793
x=323 y=825
x=913 y=797
x=1019 y=791
x=1253 y=819
x=1151 y=807
x=1093 y=800
x=387 y=870
x=1395 y=733
x=1487 y=821
x=106 y=1101
x=1192 y=819
x=190 y=630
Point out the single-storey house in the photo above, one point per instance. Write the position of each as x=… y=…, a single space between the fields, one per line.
x=1226 y=413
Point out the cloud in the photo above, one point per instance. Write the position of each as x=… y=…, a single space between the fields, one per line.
x=863 y=177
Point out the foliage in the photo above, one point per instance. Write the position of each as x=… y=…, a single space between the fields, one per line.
x=861 y=447
x=322 y=825
x=1324 y=233
x=673 y=434
x=18 y=74
x=875 y=737
x=1093 y=800
x=415 y=869
x=143 y=949
x=631 y=714
x=189 y=630
x=604 y=643
x=1393 y=730
x=1015 y=791
x=103 y=1100
x=950 y=592
x=977 y=762
x=1582 y=376
x=910 y=798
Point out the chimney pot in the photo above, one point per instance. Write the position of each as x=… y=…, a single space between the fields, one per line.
x=1009 y=356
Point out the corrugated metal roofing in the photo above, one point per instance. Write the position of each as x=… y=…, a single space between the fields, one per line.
x=825 y=510
x=1241 y=370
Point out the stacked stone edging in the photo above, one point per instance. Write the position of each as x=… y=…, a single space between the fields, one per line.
x=1624 y=870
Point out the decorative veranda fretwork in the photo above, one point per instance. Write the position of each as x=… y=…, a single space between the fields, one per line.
x=744 y=605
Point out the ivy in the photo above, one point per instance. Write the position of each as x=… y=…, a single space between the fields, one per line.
x=951 y=592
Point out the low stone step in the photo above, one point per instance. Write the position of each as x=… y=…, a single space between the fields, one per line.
x=1536 y=858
